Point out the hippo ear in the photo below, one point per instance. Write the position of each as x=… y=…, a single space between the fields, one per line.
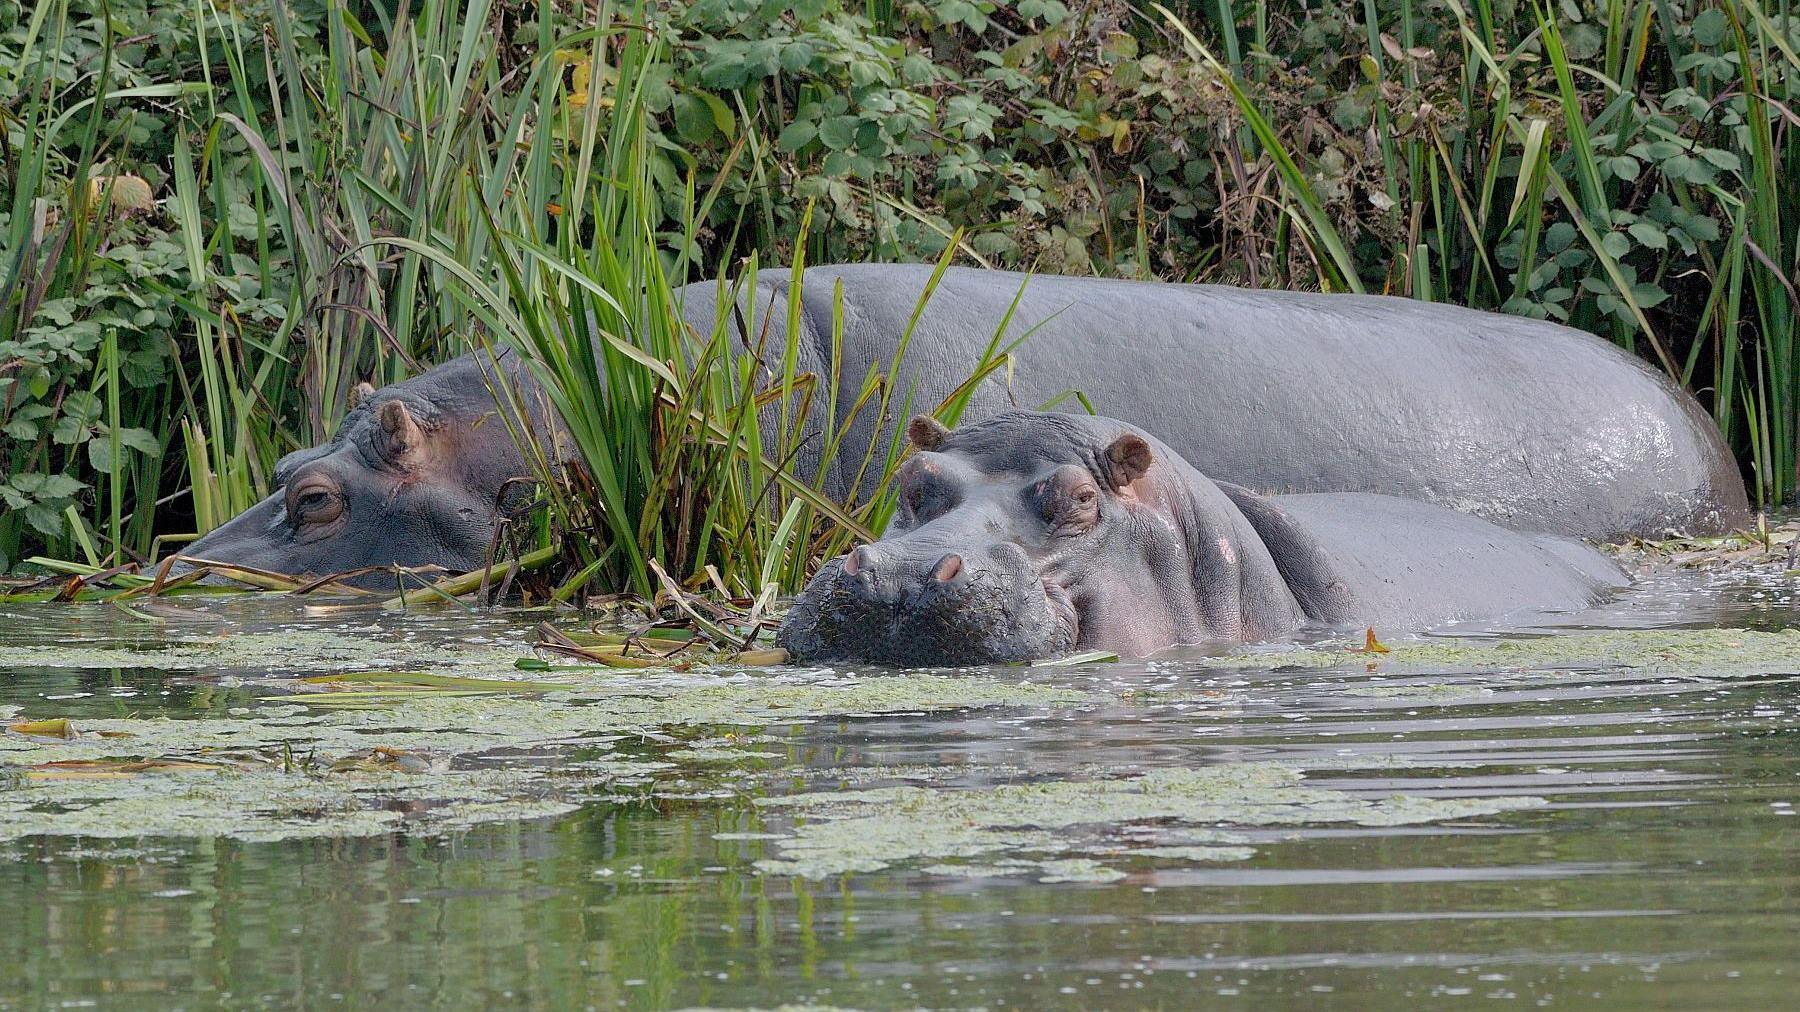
x=359 y=393
x=926 y=432
x=1127 y=459
x=403 y=434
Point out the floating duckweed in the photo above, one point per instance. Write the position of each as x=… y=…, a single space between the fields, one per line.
x=290 y=650
x=1728 y=652
x=862 y=831
x=284 y=770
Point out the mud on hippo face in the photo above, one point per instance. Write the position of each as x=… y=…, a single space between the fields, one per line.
x=1022 y=536
x=412 y=478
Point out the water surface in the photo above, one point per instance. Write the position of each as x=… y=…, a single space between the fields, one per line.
x=1556 y=835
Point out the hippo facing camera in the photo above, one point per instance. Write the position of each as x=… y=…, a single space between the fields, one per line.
x=1031 y=534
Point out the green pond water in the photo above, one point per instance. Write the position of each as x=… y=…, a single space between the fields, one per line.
x=1595 y=813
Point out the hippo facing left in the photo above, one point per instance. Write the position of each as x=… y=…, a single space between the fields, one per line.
x=1029 y=535
x=414 y=477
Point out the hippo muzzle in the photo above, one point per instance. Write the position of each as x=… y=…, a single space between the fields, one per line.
x=886 y=605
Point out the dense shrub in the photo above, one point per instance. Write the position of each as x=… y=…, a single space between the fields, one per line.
x=1617 y=166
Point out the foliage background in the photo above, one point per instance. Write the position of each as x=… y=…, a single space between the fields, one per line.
x=193 y=194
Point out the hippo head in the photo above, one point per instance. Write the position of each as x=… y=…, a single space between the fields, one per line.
x=1029 y=535
x=412 y=478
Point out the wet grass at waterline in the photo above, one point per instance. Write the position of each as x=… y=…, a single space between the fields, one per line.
x=674 y=629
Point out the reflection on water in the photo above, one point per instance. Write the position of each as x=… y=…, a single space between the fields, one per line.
x=1660 y=868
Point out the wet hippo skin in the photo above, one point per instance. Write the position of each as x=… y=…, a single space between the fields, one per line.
x=1531 y=425
x=1029 y=535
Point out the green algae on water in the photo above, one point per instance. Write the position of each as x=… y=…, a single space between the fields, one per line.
x=292 y=651
x=1721 y=652
x=1037 y=827
x=283 y=771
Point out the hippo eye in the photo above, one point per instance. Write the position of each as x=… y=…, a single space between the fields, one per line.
x=314 y=503
x=1072 y=512
x=926 y=494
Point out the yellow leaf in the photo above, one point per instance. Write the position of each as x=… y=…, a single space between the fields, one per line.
x=1121 y=136
x=108 y=769
x=130 y=194
x=759 y=657
x=56 y=727
x=1371 y=645
x=581 y=74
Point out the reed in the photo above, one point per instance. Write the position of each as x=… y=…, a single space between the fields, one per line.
x=1683 y=225
x=534 y=213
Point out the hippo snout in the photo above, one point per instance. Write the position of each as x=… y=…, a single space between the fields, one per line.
x=877 y=580
x=900 y=605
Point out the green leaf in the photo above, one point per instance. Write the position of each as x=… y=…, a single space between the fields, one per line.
x=723 y=119
x=1701 y=227
x=1648 y=295
x=797 y=135
x=1558 y=237
x=59 y=486
x=1649 y=234
x=1709 y=27
x=837 y=163
x=100 y=456
x=838 y=132
x=139 y=439
x=45 y=519
x=1688 y=168
x=917 y=69
x=693 y=120
x=1723 y=159
x=796 y=56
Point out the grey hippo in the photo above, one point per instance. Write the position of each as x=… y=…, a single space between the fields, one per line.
x=1531 y=425
x=1029 y=535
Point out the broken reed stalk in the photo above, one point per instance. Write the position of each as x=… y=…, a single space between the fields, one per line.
x=451 y=588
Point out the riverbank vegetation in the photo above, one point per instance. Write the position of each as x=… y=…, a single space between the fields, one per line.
x=216 y=219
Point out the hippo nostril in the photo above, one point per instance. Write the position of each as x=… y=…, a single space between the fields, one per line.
x=947 y=568
x=857 y=561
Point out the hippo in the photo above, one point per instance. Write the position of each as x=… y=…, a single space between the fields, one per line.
x=1534 y=426
x=1029 y=535
x=1531 y=424
x=415 y=476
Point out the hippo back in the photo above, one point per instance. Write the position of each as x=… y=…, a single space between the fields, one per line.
x=1411 y=565
x=1529 y=424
